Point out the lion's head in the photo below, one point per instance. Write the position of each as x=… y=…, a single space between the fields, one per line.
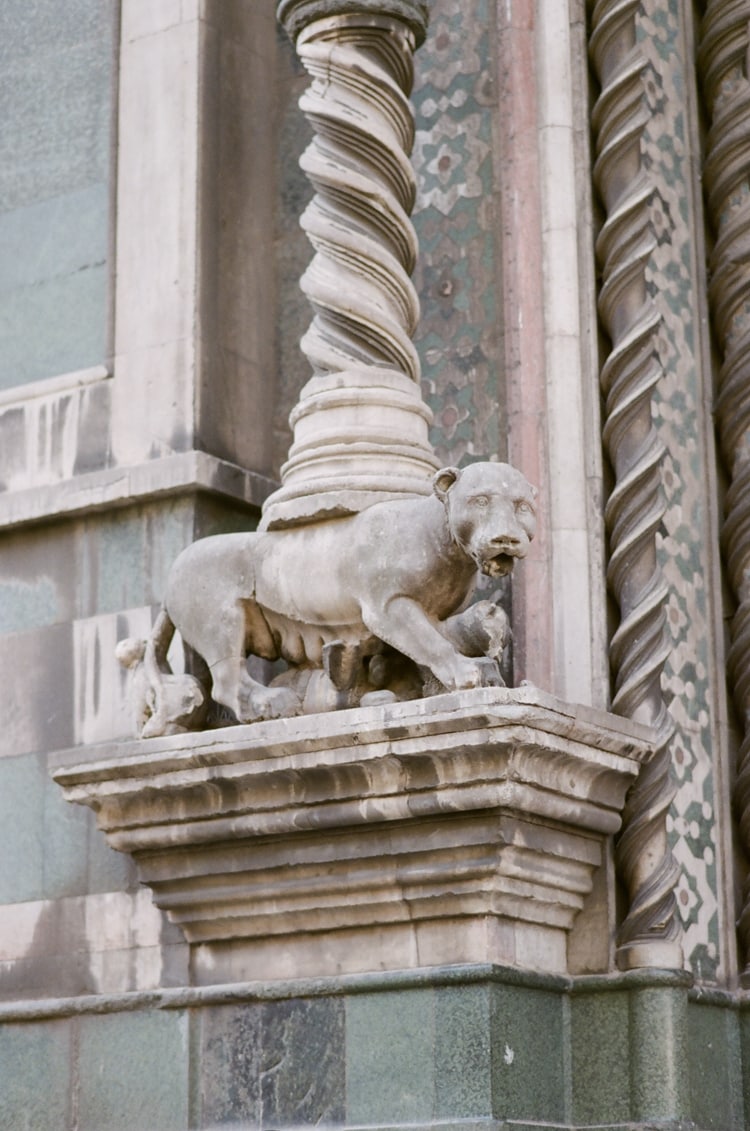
x=491 y=513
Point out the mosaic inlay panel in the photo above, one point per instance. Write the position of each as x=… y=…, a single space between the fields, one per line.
x=459 y=337
x=690 y=682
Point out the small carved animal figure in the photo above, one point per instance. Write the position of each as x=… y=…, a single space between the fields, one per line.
x=163 y=703
x=392 y=575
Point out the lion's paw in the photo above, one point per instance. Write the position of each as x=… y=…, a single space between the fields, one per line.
x=263 y=703
x=482 y=672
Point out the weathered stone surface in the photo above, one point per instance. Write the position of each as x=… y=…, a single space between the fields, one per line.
x=108 y=943
x=462 y=828
x=482 y=1047
x=270 y=1063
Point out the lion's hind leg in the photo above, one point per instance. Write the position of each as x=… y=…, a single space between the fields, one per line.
x=241 y=630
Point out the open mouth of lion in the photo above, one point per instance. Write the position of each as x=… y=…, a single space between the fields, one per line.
x=498 y=566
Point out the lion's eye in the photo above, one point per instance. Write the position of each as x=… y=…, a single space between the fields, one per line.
x=480 y=500
x=523 y=507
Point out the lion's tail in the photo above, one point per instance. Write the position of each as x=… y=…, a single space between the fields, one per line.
x=151 y=652
x=157 y=646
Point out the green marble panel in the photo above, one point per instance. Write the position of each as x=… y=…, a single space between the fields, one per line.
x=658 y=1054
x=124 y=557
x=226 y=1064
x=35 y=1076
x=36 y=674
x=55 y=92
x=528 y=1044
x=275 y=1063
x=53 y=238
x=132 y=1070
x=53 y=327
x=715 y=1067
x=390 y=1067
x=744 y=1033
x=56 y=100
x=107 y=870
x=302 y=1071
x=463 y=1077
x=27 y=604
x=66 y=844
x=48 y=847
x=37 y=578
x=22 y=787
x=599 y=1062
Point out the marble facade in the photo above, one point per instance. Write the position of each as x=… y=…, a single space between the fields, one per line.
x=113 y=1013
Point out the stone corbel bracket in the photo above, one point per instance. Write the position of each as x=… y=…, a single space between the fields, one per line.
x=464 y=828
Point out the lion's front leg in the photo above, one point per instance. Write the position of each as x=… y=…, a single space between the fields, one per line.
x=403 y=624
x=481 y=630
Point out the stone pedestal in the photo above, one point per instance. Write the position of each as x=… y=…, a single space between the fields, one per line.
x=360 y=437
x=463 y=828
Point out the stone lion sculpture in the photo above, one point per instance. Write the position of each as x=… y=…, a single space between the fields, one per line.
x=362 y=608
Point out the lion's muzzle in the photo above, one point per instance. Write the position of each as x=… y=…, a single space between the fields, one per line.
x=498 y=559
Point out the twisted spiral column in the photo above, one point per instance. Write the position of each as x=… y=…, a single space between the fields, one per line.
x=723 y=59
x=360 y=427
x=649 y=935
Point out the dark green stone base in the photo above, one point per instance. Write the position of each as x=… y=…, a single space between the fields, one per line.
x=466 y=1048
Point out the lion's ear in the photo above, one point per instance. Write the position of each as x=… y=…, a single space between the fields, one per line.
x=444 y=480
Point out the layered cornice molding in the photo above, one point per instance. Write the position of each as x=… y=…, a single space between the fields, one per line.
x=463 y=828
x=173 y=476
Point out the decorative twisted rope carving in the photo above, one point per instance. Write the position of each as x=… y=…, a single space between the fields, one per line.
x=723 y=57
x=649 y=935
x=366 y=307
x=360 y=425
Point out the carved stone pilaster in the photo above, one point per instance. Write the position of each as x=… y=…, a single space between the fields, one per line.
x=649 y=935
x=723 y=57
x=360 y=427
